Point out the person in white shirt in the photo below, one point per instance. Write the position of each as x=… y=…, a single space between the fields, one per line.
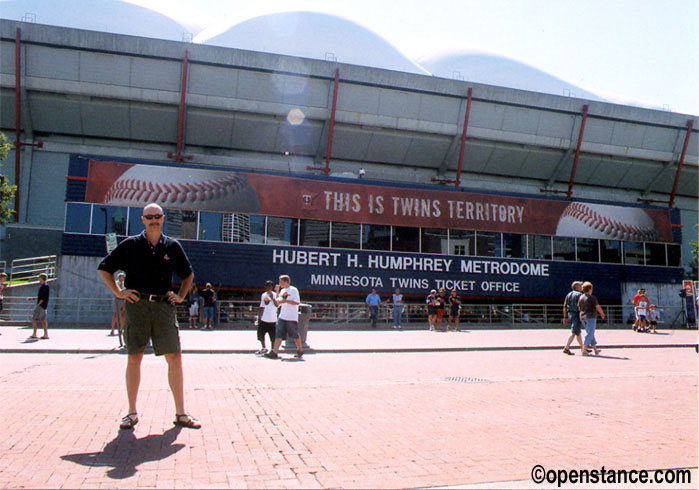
x=267 y=317
x=641 y=313
x=288 y=298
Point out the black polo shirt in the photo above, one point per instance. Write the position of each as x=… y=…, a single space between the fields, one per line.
x=148 y=269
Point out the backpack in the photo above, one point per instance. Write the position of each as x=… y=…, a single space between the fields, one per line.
x=571 y=301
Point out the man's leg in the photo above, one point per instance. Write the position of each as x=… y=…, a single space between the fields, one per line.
x=45 y=324
x=277 y=345
x=114 y=319
x=175 y=378
x=133 y=379
x=570 y=341
x=34 y=327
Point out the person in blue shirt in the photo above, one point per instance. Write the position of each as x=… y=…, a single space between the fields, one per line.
x=372 y=301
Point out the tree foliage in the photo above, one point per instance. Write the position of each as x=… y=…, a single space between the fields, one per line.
x=7 y=192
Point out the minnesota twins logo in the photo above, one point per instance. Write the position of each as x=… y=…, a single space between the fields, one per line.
x=307 y=199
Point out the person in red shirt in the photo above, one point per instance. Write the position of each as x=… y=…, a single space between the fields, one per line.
x=641 y=294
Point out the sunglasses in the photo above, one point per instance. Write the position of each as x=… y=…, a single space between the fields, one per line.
x=152 y=216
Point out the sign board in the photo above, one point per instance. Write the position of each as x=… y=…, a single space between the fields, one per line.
x=111 y=240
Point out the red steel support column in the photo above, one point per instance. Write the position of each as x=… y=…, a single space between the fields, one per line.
x=690 y=126
x=463 y=139
x=18 y=119
x=180 y=120
x=577 y=152
x=326 y=170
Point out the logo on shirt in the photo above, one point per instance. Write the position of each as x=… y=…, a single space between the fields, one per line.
x=166 y=257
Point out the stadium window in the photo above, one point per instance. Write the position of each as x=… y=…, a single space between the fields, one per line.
x=108 y=219
x=282 y=231
x=655 y=254
x=77 y=217
x=539 y=247
x=135 y=225
x=610 y=251
x=674 y=255
x=314 y=233
x=434 y=241
x=182 y=224
x=404 y=239
x=346 y=235
x=563 y=248
x=633 y=253
x=462 y=242
x=376 y=237
x=488 y=244
x=211 y=227
x=587 y=250
x=243 y=228
x=514 y=245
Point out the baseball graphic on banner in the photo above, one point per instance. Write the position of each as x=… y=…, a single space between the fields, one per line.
x=183 y=188
x=606 y=222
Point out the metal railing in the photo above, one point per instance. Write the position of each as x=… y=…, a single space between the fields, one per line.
x=334 y=314
x=28 y=270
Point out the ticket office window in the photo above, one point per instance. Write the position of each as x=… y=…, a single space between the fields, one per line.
x=633 y=253
x=610 y=251
x=587 y=250
x=514 y=245
x=462 y=242
x=655 y=254
x=434 y=241
x=108 y=219
x=282 y=231
x=78 y=217
x=376 y=237
x=539 y=247
x=404 y=239
x=488 y=244
x=563 y=248
x=346 y=235
x=314 y=233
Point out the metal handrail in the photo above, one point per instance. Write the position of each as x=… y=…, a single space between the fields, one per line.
x=99 y=310
x=30 y=268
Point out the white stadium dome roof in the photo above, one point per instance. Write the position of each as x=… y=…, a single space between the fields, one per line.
x=113 y=16
x=314 y=35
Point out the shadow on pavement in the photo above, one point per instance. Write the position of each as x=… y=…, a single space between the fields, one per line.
x=125 y=452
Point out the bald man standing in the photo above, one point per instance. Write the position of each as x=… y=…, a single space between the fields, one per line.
x=149 y=260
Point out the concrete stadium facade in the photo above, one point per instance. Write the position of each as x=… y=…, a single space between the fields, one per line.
x=96 y=96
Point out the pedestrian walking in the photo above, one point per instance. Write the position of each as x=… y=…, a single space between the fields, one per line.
x=571 y=316
x=149 y=260
x=431 y=302
x=289 y=299
x=267 y=318
x=440 y=308
x=208 y=295
x=372 y=301
x=118 y=309
x=397 y=301
x=42 y=303
x=589 y=309
x=454 y=303
x=193 y=306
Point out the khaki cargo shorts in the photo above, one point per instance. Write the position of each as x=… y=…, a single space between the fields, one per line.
x=156 y=321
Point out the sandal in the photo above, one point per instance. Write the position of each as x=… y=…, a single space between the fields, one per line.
x=45 y=337
x=32 y=337
x=186 y=420
x=129 y=421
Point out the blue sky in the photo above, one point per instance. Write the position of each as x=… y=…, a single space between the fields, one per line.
x=628 y=51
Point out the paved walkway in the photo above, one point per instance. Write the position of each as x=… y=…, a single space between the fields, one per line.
x=64 y=340
x=478 y=418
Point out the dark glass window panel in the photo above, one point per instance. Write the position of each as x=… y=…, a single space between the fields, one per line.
x=539 y=247
x=514 y=245
x=655 y=254
x=674 y=255
x=376 y=237
x=346 y=235
x=182 y=224
x=108 y=219
x=610 y=251
x=282 y=231
x=633 y=253
x=211 y=227
x=314 y=233
x=588 y=250
x=462 y=242
x=405 y=239
x=488 y=244
x=563 y=248
x=77 y=217
x=243 y=228
x=434 y=241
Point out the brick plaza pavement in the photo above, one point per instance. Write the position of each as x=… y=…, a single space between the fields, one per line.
x=407 y=419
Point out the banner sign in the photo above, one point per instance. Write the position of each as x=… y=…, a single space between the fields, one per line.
x=247 y=266
x=127 y=184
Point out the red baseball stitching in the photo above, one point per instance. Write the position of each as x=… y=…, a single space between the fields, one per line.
x=148 y=191
x=614 y=228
